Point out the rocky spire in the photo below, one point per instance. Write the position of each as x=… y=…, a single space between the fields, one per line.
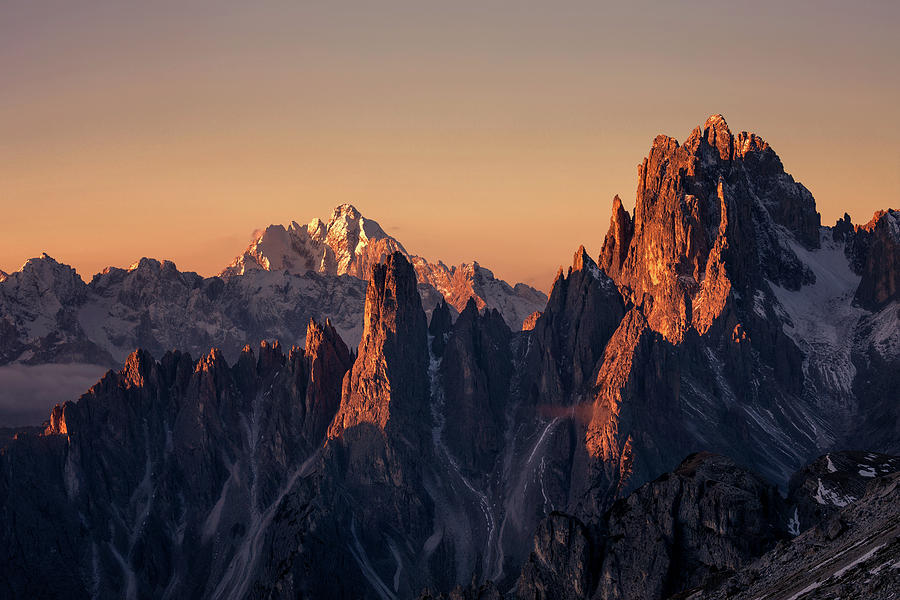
x=388 y=381
x=618 y=238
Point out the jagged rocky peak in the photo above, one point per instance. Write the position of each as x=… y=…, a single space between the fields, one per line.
x=44 y=275
x=439 y=327
x=348 y=244
x=351 y=244
x=475 y=372
x=327 y=359
x=618 y=239
x=388 y=380
x=879 y=242
x=708 y=217
x=152 y=265
x=570 y=335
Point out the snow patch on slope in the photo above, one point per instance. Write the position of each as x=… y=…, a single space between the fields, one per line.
x=822 y=316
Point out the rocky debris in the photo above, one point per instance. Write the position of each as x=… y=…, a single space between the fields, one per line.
x=350 y=244
x=476 y=371
x=855 y=553
x=832 y=482
x=880 y=283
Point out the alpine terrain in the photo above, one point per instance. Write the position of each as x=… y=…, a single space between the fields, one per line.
x=707 y=408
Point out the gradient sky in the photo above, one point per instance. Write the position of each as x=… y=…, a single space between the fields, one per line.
x=496 y=131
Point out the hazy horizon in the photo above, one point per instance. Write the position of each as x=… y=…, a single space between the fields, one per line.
x=493 y=132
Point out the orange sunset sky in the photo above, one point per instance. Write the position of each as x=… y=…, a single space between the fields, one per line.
x=496 y=131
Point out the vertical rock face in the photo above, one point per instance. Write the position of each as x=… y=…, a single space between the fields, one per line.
x=379 y=443
x=476 y=372
x=880 y=283
x=388 y=381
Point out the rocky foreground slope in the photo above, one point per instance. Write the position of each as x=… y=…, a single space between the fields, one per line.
x=719 y=316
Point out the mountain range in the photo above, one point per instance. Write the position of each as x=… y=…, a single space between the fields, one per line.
x=48 y=315
x=707 y=409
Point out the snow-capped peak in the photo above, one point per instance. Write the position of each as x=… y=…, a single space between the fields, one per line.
x=351 y=244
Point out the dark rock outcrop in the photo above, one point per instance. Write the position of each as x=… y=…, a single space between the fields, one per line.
x=158 y=464
x=476 y=371
x=563 y=563
x=853 y=554
x=880 y=283
x=707 y=517
x=439 y=328
x=831 y=482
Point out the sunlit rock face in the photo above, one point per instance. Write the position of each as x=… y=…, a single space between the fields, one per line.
x=706 y=219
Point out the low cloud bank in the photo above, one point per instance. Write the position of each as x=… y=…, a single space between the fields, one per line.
x=27 y=393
